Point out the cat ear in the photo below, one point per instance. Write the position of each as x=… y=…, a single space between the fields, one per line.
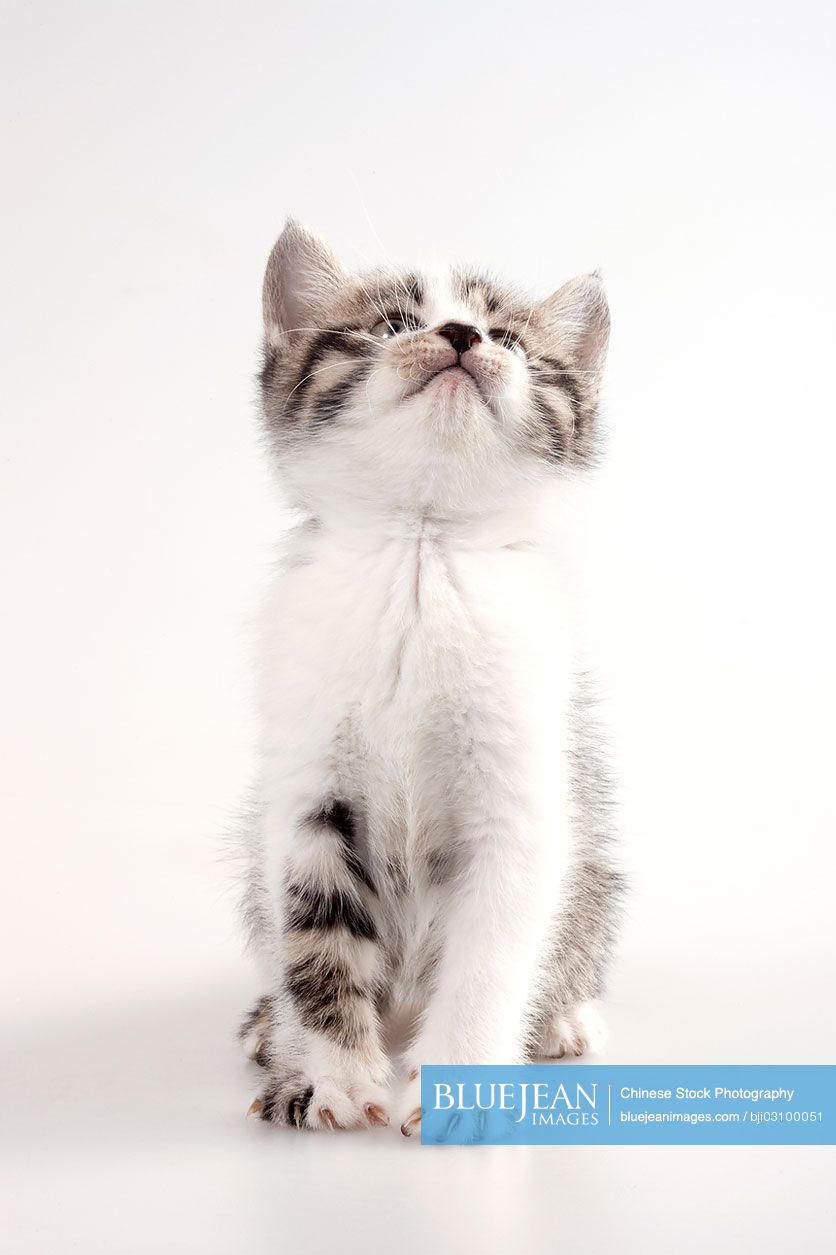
x=579 y=318
x=302 y=275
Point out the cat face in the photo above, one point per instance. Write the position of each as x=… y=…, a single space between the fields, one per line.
x=443 y=392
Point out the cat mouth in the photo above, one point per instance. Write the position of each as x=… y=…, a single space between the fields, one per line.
x=455 y=372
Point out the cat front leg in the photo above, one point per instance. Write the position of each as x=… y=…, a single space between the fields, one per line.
x=325 y=1065
x=506 y=856
x=569 y=1020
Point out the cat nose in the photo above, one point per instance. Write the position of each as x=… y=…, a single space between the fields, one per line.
x=461 y=335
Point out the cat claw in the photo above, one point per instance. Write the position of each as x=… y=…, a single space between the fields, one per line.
x=411 y=1122
x=327 y=1117
x=376 y=1115
x=255 y=1108
x=564 y=1052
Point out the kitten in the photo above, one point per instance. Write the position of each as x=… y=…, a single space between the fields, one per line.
x=430 y=829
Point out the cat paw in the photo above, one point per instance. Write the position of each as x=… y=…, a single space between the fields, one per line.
x=254 y=1033
x=573 y=1032
x=324 y=1103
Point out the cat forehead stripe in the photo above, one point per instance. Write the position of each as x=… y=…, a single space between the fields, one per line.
x=479 y=287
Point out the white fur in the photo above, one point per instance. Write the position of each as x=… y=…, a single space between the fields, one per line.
x=425 y=623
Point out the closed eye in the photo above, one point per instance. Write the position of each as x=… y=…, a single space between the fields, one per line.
x=508 y=340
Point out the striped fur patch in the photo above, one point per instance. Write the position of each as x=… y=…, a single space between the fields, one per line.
x=328 y=920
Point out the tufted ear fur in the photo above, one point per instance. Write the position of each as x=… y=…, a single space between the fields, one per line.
x=579 y=317
x=302 y=275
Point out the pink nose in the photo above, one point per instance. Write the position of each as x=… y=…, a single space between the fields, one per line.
x=461 y=335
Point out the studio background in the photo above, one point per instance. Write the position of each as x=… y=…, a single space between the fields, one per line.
x=151 y=154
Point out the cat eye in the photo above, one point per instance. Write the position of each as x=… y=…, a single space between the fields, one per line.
x=388 y=327
x=509 y=340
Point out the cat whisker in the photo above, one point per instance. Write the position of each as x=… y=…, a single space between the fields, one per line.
x=337 y=331
x=319 y=370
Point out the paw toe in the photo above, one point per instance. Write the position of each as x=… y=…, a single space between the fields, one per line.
x=575 y=1032
x=283 y=1102
x=254 y=1032
x=325 y=1104
x=375 y=1114
x=410 y=1105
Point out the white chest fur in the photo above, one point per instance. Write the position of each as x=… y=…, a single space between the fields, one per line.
x=396 y=631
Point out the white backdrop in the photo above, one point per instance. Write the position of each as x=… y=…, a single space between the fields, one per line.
x=151 y=154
